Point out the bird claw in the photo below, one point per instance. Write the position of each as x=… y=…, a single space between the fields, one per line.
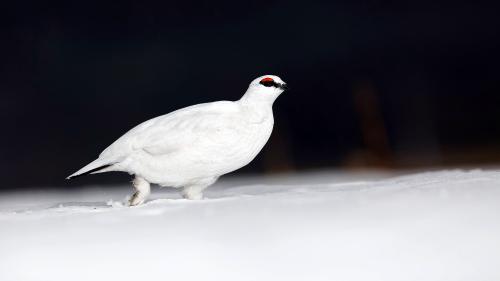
x=192 y=195
x=136 y=199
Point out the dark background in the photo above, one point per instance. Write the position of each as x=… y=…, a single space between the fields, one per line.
x=375 y=84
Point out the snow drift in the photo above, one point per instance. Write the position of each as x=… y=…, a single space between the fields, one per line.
x=429 y=226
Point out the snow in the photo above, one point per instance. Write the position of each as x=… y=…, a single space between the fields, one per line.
x=318 y=226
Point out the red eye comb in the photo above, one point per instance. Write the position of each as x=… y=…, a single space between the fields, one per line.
x=267 y=79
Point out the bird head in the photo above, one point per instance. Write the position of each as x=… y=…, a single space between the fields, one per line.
x=265 y=88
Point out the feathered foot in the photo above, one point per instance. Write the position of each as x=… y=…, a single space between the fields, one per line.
x=142 y=191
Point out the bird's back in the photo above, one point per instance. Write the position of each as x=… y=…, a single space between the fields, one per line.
x=149 y=132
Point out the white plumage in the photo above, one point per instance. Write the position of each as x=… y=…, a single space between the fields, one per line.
x=193 y=146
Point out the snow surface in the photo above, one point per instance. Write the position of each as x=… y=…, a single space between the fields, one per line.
x=321 y=226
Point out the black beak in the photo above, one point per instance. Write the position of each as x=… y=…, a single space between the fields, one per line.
x=284 y=86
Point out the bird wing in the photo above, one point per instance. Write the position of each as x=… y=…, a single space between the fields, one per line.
x=211 y=123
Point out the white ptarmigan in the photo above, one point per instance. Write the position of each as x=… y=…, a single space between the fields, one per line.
x=193 y=146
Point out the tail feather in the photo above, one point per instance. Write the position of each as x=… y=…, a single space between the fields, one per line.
x=94 y=167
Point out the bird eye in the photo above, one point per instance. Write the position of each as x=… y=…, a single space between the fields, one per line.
x=268 y=82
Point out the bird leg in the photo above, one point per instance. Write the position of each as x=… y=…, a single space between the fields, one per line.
x=193 y=192
x=142 y=191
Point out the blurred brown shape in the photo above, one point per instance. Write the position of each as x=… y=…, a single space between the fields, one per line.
x=277 y=154
x=376 y=151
